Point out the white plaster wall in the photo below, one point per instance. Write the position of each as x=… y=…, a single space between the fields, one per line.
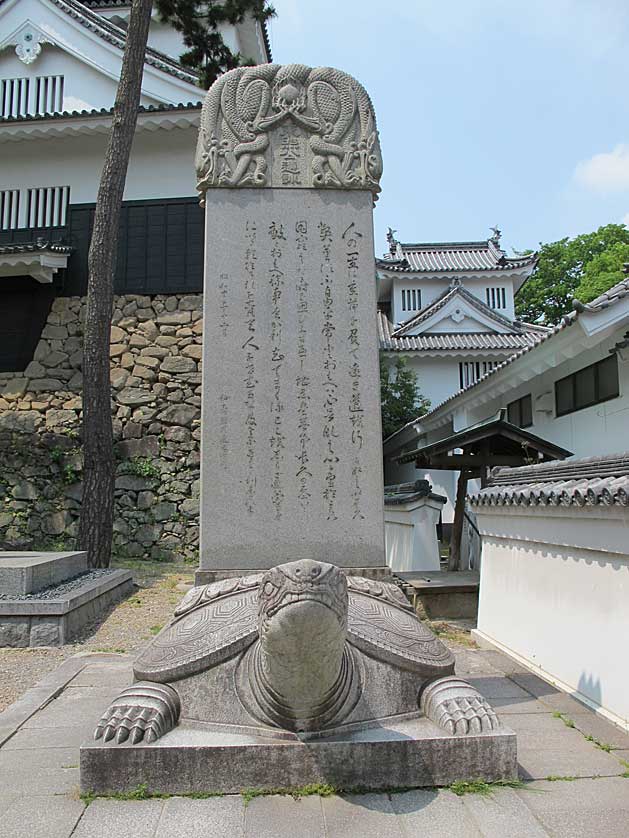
x=431 y=288
x=84 y=88
x=600 y=429
x=562 y=609
x=161 y=165
x=410 y=535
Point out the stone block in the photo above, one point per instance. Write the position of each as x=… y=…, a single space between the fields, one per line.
x=24 y=490
x=14 y=631
x=178 y=364
x=413 y=753
x=40 y=385
x=134 y=396
x=179 y=414
x=45 y=632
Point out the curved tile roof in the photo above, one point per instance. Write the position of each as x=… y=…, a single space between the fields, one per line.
x=587 y=481
x=39 y=117
x=451 y=257
x=453 y=341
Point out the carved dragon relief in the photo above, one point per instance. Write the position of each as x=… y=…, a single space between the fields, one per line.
x=243 y=109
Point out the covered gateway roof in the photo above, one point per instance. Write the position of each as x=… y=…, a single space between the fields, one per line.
x=495 y=436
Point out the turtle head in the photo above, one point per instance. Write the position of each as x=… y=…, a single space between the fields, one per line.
x=304 y=586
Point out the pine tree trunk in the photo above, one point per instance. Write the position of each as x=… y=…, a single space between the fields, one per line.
x=97 y=510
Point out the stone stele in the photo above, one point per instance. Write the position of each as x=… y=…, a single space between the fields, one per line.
x=297 y=675
x=288 y=165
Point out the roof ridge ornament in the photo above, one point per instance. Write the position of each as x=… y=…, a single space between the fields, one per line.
x=28 y=40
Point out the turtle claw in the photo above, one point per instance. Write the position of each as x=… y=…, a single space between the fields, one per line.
x=142 y=711
x=457 y=707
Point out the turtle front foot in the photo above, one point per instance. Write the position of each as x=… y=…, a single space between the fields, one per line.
x=457 y=707
x=144 y=711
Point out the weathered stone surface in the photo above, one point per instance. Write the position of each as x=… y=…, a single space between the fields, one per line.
x=179 y=415
x=25 y=491
x=134 y=396
x=39 y=385
x=148 y=446
x=174 y=318
x=178 y=365
x=292 y=444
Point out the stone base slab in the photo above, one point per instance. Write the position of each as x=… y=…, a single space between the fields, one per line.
x=50 y=622
x=196 y=758
x=23 y=572
x=206 y=577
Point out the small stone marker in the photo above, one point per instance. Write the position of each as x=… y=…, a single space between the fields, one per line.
x=288 y=163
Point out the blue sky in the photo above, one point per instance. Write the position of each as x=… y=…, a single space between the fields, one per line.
x=513 y=112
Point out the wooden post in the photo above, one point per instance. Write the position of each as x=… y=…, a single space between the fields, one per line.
x=457 y=527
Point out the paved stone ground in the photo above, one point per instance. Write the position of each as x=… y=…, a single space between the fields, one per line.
x=573 y=788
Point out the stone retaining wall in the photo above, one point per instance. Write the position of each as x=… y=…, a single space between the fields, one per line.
x=156 y=345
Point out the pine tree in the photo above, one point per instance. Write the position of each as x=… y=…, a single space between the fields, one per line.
x=400 y=399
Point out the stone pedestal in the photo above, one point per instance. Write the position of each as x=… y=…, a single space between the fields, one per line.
x=409 y=752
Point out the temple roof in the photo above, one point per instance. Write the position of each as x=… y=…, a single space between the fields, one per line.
x=452 y=257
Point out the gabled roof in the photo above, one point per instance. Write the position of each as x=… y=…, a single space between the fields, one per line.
x=450 y=294
x=453 y=341
x=110 y=4
x=498 y=430
x=452 y=257
x=615 y=294
x=116 y=36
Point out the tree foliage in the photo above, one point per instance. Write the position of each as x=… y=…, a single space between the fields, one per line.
x=199 y=24
x=581 y=267
x=400 y=399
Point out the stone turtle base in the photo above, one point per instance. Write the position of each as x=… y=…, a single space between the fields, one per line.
x=206 y=577
x=196 y=758
x=53 y=622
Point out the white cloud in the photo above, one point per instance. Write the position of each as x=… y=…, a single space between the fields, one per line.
x=625 y=220
x=605 y=172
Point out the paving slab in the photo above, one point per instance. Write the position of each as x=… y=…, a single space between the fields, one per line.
x=598 y=727
x=53 y=771
x=52 y=816
x=539 y=763
x=433 y=814
x=77 y=706
x=218 y=817
x=364 y=815
x=506 y=706
x=498 y=660
x=497 y=686
x=38 y=738
x=105 y=674
x=547 y=693
x=503 y=813
x=582 y=808
x=279 y=815
x=121 y=819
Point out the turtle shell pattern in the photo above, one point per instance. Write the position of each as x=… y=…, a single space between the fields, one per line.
x=215 y=622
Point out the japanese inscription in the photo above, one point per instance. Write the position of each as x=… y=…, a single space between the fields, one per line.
x=291 y=442
x=250 y=348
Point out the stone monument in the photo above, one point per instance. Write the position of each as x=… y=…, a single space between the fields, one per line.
x=304 y=672
x=288 y=165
